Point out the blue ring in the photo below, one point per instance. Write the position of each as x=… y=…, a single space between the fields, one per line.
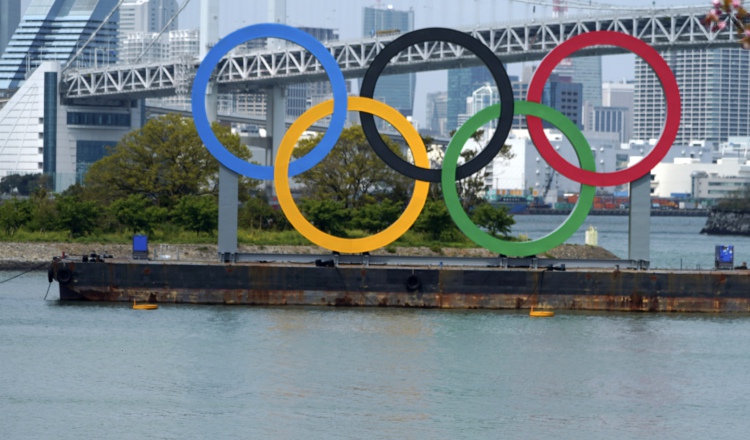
x=272 y=30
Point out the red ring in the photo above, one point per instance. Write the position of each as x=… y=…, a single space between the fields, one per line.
x=668 y=83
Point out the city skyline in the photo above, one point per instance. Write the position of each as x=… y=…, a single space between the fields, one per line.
x=427 y=13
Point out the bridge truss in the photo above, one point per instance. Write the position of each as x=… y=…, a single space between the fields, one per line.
x=670 y=29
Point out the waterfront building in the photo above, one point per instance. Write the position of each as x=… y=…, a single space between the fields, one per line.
x=527 y=174
x=55 y=30
x=715 y=89
x=395 y=90
x=686 y=176
x=10 y=15
x=39 y=133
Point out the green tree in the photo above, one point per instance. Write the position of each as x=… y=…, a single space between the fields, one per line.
x=14 y=213
x=138 y=213
x=164 y=161
x=75 y=215
x=330 y=216
x=43 y=211
x=198 y=213
x=493 y=218
x=471 y=190
x=436 y=221
x=374 y=218
x=257 y=213
x=351 y=171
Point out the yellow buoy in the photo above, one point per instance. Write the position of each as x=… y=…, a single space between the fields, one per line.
x=144 y=306
x=541 y=314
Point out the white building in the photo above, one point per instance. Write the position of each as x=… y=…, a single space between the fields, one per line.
x=133 y=47
x=40 y=134
x=698 y=179
x=141 y=21
x=147 y=15
x=528 y=174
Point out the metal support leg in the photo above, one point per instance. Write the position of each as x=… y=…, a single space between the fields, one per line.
x=276 y=128
x=228 y=183
x=228 y=211
x=639 y=224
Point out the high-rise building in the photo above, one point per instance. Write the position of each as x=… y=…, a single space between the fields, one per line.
x=140 y=24
x=461 y=84
x=10 y=15
x=133 y=47
x=436 y=114
x=616 y=110
x=714 y=86
x=395 y=90
x=55 y=30
x=147 y=15
x=586 y=71
x=612 y=120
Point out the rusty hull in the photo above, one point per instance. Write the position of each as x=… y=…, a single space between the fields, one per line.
x=387 y=286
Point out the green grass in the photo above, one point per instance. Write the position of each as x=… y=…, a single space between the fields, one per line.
x=172 y=235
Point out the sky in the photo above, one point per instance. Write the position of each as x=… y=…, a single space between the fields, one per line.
x=346 y=17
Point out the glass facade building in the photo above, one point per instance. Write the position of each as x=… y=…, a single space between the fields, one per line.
x=55 y=30
x=395 y=90
x=461 y=84
x=10 y=15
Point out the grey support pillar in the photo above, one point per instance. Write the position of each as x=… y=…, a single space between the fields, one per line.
x=275 y=128
x=228 y=184
x=228 y=179
x=639 y=224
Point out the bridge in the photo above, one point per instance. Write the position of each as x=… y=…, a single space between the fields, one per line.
x=663 y=29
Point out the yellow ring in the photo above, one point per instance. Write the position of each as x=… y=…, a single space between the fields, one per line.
x=315 y=235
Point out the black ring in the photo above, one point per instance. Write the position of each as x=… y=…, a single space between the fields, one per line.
x=504 y=88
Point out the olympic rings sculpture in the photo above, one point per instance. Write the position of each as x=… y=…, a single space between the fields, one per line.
x=367 y=107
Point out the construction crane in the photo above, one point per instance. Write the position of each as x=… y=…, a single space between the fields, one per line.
x=539 y=201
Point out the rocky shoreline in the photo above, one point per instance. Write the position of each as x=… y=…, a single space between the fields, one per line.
x=30 y=256
x=727 y=222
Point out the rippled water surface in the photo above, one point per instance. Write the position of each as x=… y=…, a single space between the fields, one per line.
x=105 y=371
x=676 y=242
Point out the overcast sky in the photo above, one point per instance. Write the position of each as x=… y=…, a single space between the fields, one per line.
x=346 y=17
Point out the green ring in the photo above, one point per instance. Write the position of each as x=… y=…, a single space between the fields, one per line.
x=526 y=248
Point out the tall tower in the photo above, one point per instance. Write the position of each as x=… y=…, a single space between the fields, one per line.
x=55 y=30
x=461 y=85
x=147 y=15
x=395 y=90
x=10 y=15
x=140 y=24
x=715 y=89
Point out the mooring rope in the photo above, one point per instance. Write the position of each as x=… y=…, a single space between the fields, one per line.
x=24 y=273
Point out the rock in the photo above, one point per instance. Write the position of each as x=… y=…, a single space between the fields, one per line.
x=18 y=256
x=727 y=222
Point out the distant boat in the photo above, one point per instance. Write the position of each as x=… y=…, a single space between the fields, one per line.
x=515 y=205
x=541 y=313
x=144 y=306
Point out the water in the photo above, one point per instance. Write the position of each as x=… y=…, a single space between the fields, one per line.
x=676 y=242
x=104 y=371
